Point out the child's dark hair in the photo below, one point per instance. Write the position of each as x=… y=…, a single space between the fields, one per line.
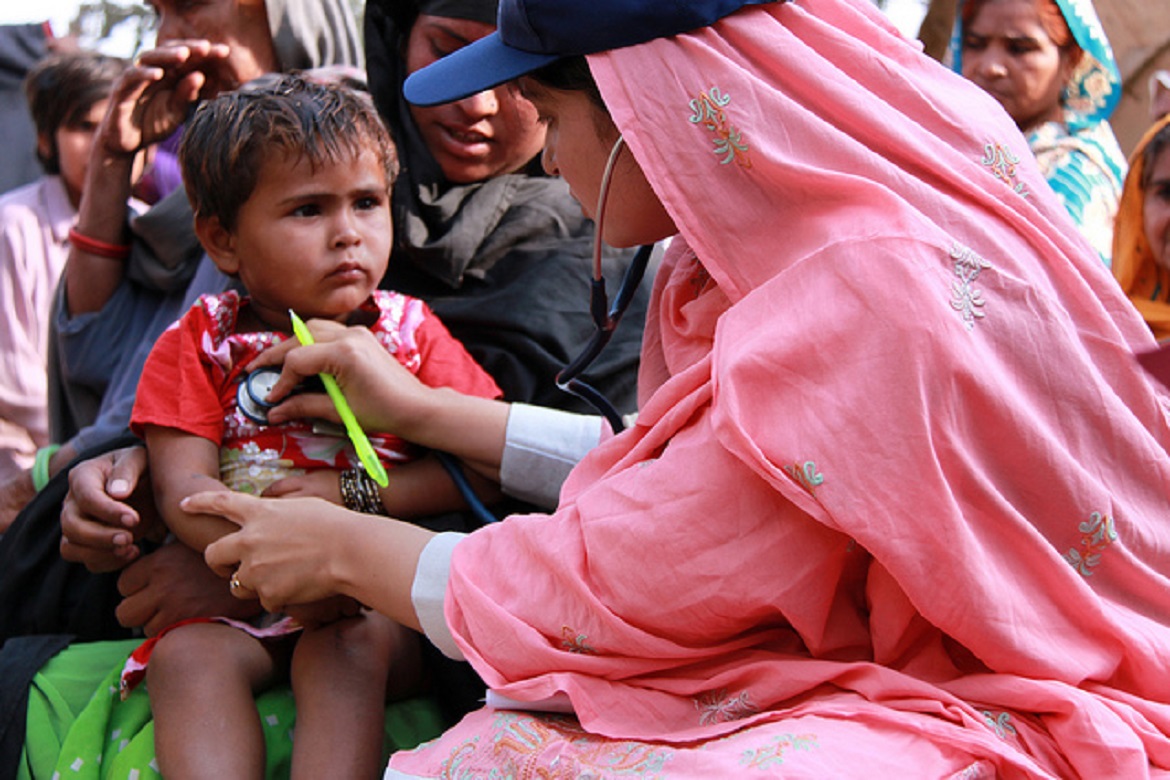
x=228 y=139
x=61 y=90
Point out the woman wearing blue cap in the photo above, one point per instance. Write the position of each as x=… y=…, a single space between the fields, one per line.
x=894 y=502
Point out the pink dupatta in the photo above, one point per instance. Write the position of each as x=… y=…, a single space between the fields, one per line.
x=895 y=465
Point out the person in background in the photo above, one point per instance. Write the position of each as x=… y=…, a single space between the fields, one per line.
x=1141 y=241
x=1050 y=66
x=21 y=47
x=67 y=96
x=499 y=250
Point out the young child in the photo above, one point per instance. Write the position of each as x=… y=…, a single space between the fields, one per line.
x=67 y=95
x=289 y=182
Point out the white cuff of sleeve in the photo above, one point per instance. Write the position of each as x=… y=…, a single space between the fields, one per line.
x=429 y=591
x=541 y=447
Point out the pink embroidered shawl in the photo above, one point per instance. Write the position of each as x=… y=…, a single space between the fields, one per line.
x=894 y=456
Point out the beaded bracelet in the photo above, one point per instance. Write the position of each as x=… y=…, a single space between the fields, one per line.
x=359 y=492
x=94 y=246
x=40 y=469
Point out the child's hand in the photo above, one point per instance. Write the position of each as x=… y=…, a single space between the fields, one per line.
x=323 y=483
x=321 y=612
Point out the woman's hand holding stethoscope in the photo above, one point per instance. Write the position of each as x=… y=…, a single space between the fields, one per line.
x=383 y=394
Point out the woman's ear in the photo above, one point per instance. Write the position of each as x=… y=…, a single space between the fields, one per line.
x=219 y=243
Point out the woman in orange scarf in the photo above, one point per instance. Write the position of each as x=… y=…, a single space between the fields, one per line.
x=1141 y=254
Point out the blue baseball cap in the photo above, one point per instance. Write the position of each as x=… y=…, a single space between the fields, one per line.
x=533 y=33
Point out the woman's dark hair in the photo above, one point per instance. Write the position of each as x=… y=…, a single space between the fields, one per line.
x=61 y=90
x=569 y=74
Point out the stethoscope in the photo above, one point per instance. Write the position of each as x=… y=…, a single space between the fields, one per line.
x=605 y=319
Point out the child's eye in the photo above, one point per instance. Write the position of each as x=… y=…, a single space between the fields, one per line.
x=369 y=202
x=307 y=210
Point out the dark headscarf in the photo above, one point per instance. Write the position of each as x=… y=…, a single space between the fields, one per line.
x=443 y=229
x=503 y=262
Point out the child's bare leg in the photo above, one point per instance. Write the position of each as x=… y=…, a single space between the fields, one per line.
x=201 y=679
x=339 y=678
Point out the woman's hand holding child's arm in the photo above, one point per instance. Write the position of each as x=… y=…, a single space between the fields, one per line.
x=298 y=551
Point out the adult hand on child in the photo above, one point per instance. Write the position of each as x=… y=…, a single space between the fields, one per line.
x=301 y=550
x=174 y=583
x=108 y=509
x=282 y=552
x=383 y=394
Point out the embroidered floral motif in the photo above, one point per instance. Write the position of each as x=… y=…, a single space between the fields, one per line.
x=1000 y=724
x=575 y=643
x=521 y=739
x=707 y=111
x=806 y=474
x=1097 y=533
x=772 y=754
x=965 y=299
x=1002 y=161
x=718 y=707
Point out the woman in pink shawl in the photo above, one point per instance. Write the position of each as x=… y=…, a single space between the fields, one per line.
x=895 y=502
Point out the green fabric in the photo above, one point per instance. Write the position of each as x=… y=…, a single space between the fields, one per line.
x=79 y=731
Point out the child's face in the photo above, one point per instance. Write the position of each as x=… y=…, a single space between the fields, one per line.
x=314 y=241
x=73 y=145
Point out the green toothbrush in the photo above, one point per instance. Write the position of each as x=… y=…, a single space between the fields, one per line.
x=361 y=442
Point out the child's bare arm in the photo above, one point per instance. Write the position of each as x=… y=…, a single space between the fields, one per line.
x=182 y=464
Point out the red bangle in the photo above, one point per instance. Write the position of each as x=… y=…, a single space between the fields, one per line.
x=99 y=248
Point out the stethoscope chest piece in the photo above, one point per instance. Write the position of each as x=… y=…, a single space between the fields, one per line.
x=252 y=393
